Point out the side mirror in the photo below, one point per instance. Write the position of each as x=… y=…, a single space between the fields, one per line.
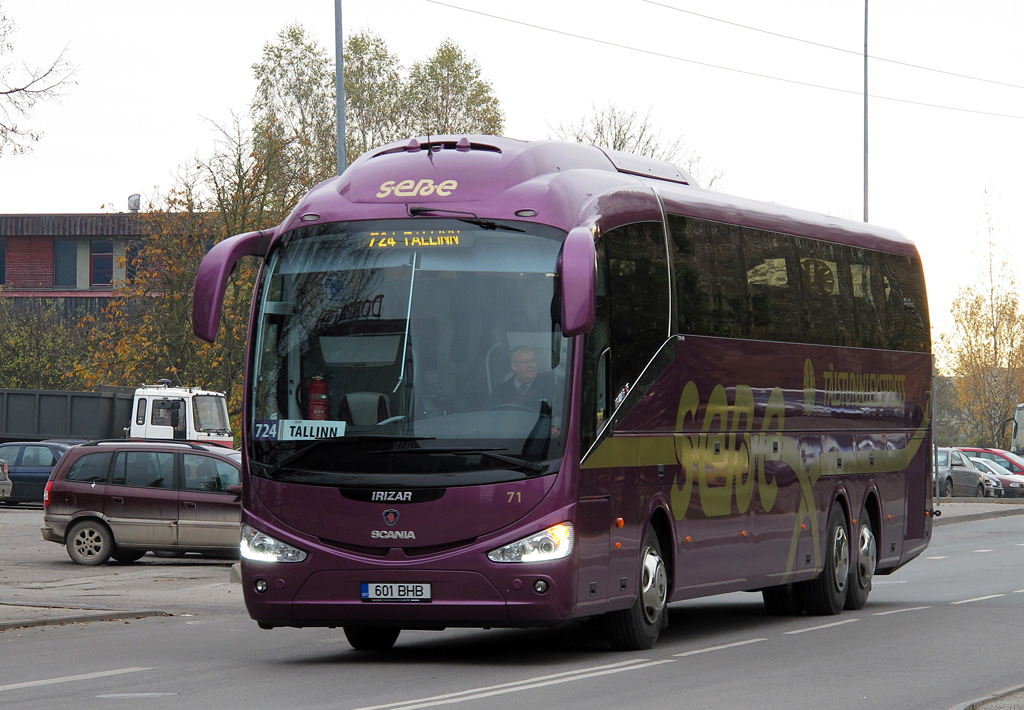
x=578 y=271
x=212 y=279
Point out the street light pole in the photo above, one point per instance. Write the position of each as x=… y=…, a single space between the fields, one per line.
x=865 y=110
x=339 y=80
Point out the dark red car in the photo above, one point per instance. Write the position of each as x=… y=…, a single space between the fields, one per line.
x=123 y=498
x=1010 y=461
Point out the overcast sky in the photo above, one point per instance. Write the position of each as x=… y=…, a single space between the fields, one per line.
x=768 y=93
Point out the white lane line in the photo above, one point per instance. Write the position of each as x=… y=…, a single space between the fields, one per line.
x=823 y=626
x=717 y=648
x=1018 y=591
x=983 y=550
x=70 y=678
x=936 y=557
x=900 y=611
x=514 y=687
x=978 y=599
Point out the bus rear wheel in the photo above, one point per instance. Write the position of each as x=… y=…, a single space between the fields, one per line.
x=826 y=595
x=862 y=569
x=637 y=628
x=371 y=638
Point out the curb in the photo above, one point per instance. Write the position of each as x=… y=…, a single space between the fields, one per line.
x=968 y=517
x=85 y=617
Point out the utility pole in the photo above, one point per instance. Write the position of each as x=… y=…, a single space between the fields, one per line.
x=865 y=110
x=339 y=80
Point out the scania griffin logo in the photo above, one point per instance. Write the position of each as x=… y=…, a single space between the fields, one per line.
x=390 y=516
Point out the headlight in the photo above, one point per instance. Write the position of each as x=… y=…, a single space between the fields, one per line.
x=551 y=544
x=263 y=548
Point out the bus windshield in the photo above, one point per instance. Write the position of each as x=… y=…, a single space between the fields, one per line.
x=405 y=350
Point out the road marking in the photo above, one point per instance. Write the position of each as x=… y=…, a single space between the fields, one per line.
x=717 y=648
x=978 y=599
x=823 y=626
x=900 y=611
x=936 y=557
x=1018 y=591
x=983 y=550
x=70 y=678
x=514 y=687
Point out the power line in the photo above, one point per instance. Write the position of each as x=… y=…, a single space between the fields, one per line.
x=744 y=72
x=836 y=49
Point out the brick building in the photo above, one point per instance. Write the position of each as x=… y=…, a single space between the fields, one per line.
x=74 y=258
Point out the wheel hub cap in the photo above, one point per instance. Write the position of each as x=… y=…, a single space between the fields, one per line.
x=654 y=585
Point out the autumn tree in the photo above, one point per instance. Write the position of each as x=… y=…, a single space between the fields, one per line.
x=447 y=94
x=22 y=88
x=40 y=347
x=984 y=351
x=625 y=130
x=373 y=95
x=145 y=333
x=294 y=124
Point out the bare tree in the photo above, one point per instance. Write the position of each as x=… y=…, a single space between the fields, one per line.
x=621 y=129
x=21 y=88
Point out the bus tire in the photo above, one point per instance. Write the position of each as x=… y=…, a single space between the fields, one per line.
x=826 y=594
x=862 y=566
x=637 y=628
x=371 y=638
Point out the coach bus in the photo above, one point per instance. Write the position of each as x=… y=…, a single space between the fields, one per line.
x=727 y=395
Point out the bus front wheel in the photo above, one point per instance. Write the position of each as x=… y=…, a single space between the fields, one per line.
x=637 y=628
x=370 y=638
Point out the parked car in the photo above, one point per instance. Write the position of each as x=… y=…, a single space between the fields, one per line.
x=123 y=498
x=955 y=475
x=993 y=484
x=1011 y=485
x=1010 y=461
x=29 y=464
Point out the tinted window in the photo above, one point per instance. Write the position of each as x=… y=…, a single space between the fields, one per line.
x=206 y=473
x=739 y=282
x=144 y=469
x=91 y=468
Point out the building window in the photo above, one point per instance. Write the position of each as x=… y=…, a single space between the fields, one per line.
x=101 y=263
x=3 y=260
x=65 y=263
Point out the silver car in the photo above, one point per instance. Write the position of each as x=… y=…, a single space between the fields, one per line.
x=955 y=475
x=1010 y=485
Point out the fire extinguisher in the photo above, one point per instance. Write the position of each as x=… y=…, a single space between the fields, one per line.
x=318 y=399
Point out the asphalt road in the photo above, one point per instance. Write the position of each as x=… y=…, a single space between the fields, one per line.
x=940 y=633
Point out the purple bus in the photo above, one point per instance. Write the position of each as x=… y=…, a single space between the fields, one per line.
x=495 y=383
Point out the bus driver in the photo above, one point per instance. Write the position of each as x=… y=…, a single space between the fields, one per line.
x=527 y=386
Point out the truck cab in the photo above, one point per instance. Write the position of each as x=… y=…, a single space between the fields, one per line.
x=182 y=413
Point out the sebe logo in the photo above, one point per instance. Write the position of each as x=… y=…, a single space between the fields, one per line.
x=421 y=188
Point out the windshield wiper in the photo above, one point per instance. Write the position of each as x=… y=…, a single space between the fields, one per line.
x=471 y=219
x=534 y=466
x=302 y=451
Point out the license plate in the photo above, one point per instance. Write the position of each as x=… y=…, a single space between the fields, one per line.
x=395 y=592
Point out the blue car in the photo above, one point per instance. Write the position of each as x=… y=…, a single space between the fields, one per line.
x=28 y=466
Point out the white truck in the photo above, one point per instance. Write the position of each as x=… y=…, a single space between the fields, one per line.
x=151 y=411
